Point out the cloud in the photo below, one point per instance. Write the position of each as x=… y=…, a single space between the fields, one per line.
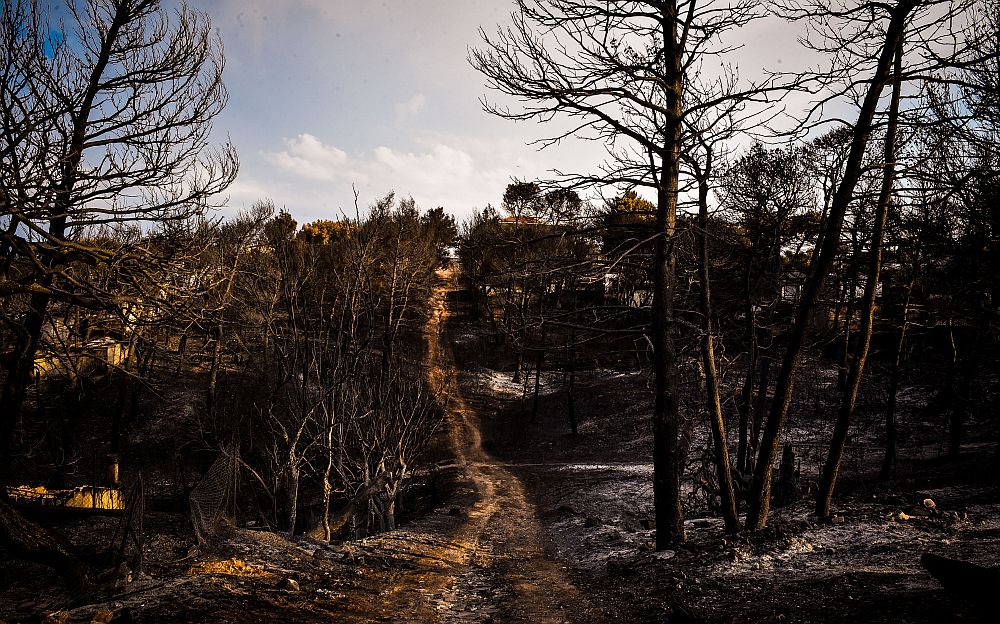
x=307 y=157
x=441 y=175
x=409 y=109
x=437 y=173
x=441 y=162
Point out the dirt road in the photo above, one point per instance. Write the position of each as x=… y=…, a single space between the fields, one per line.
x=491 y=567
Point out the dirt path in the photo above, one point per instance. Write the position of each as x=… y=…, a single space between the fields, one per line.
x=492 y=566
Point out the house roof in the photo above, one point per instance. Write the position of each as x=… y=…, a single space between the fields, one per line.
x=521 y=220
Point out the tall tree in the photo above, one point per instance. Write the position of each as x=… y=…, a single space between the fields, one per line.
x=862 y=39
x=845 y=415
x=112 y=127
x=617 y=70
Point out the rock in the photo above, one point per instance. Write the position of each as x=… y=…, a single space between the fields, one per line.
x=102 y=616
x=903 y=516
x=288 y=584
x=929 y=503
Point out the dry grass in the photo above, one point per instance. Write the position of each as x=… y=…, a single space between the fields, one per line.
x=227 y=567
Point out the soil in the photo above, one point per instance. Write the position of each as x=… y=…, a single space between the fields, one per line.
x=542 y=526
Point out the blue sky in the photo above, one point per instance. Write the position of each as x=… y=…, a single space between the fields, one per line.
x=331 y=95
x=326 y=94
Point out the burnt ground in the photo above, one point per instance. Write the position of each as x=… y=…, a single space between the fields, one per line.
x=476 y=556
x=521 y=522
x=594 y=495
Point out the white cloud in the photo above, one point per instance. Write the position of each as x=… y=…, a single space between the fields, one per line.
x=441 y=175
x=410 y=108
x=308 y=157
x=438 y=173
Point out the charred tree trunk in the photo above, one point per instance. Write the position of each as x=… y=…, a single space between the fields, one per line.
x=744 y=451
x=845 y=416
x=213 y=373
x=760 y=495
x=851 y=288
x=570 y=386
x=327 y=486
x=667 y=453
x=953 y=401
x=293 y=496
x=788 y=479
x=757 y=415
x=889 y=458
x=715 y=417
x=32 y=542
x=539 y=361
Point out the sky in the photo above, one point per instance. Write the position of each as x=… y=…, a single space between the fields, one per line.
x=329 y=96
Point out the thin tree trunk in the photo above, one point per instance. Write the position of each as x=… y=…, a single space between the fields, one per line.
x=760 y=494
x=182 y=350
x=571 y=384
x=757 y=415
x=126 y=405
x=327 y=487
x=293 y=497
x=744 y=449
x=845 y=416
x=716 y=419
x=539 y=361
x=844 y=367
x=889 y=458
x=213 y=373
x=953 y=402
x=571 y=403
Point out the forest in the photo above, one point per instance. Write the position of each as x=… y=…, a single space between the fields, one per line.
x=744 y=369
